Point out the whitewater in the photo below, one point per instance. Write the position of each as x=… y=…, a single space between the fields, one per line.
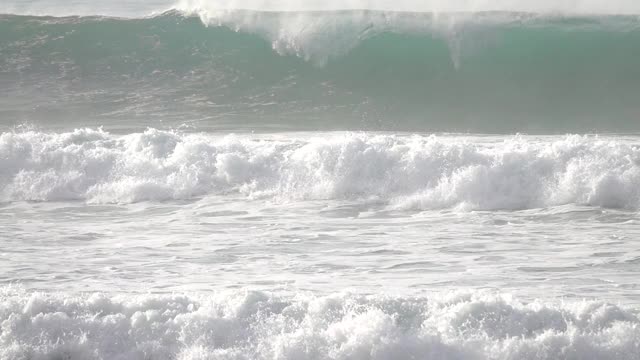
x=244 y=179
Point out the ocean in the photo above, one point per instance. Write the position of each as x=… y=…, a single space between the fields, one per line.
x=319 y=180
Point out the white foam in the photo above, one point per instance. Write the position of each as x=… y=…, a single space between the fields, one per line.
x=256 y=325
x=406 y=172
x=317 y=37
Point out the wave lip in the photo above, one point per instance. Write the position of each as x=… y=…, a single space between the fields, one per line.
x=406 y=172
x=320 y=36
x=257 y=325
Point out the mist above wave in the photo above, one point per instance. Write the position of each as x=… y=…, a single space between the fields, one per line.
x=544 y=6
x=137 y=8
x=414 y=172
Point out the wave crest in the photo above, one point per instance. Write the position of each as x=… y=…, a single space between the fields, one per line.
x=406 y=172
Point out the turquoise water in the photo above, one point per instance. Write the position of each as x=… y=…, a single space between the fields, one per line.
x=491 y=73
x=391 y=181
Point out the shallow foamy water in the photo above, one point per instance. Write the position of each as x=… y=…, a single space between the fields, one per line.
x=171 y=245
x=213 y=244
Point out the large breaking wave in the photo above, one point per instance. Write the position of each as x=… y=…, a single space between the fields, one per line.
x=353 y=69
x=407 y=172
x=256 y=325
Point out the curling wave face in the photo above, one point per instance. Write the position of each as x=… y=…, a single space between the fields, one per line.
x=404 y=172
x=256 y=325
x=496 y=72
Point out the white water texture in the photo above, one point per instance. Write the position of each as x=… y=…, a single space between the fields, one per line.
x=255 y=325
x=412 y=172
